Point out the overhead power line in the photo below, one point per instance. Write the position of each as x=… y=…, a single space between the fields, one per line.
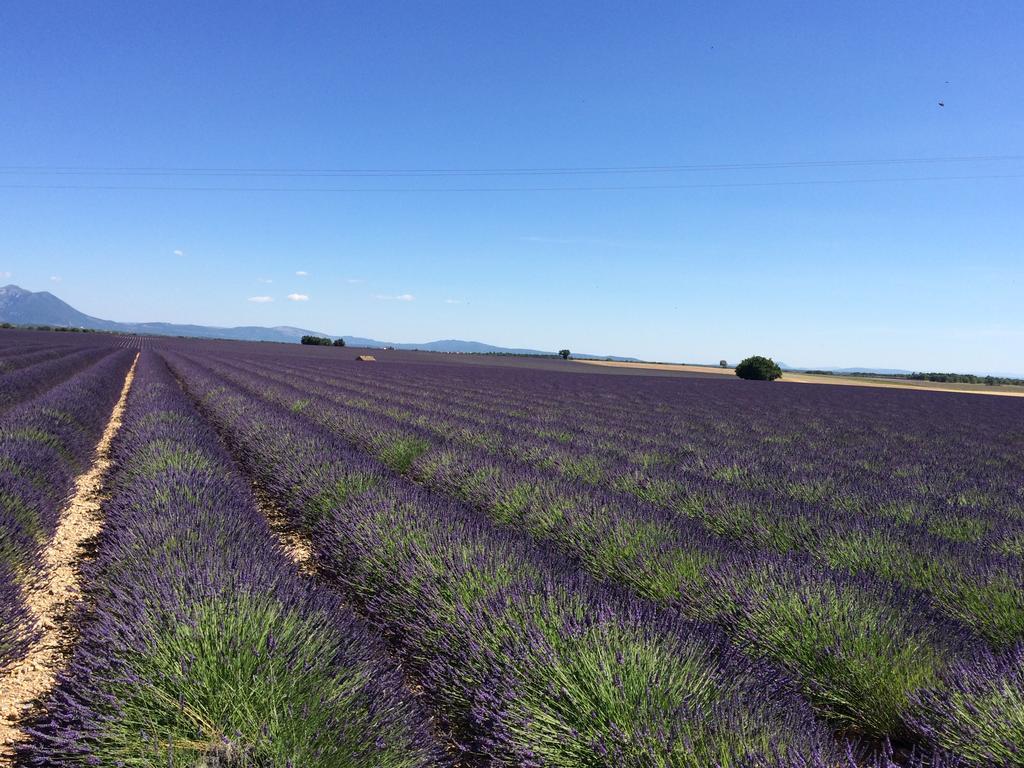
x=563 y=188
x=26 y=170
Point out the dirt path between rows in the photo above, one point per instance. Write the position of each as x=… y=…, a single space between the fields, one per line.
x=52 y=596
x=294 y=543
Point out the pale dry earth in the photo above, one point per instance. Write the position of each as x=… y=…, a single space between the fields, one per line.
x=841 y=381
x=57 y=588
x=294 y=544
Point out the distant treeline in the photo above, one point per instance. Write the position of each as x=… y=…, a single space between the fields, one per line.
x=945 y=378
x=75 y=329
x=322 y=341
x=64 y=328
x=964 y=378
x=530 y=355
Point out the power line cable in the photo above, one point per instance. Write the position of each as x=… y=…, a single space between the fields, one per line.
x=539 y=171
x=595 y=188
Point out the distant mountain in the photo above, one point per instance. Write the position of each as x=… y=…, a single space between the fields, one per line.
x=446 y=345
x=43 y=308
x=472 y=347
x=23 y=307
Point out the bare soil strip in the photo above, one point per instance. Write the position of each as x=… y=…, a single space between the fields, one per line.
x=793 y=377
x=56 y=590
x=294 y=543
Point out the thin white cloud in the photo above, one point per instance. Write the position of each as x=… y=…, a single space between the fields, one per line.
x=178 y=252
x=5 y=274
x=354 y=280
x=261 y=299
x=454 y=301
x=55 y=278
x=302 y=273
x=399 y=297
x=298 y=297
x=264 y=280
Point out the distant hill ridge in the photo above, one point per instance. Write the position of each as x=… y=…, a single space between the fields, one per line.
x=23 y=307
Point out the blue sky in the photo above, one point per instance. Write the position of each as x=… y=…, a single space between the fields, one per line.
x=915 y=274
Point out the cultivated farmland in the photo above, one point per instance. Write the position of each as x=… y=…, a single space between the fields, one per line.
x=304 y=560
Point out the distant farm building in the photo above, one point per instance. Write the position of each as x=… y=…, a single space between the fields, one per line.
x=366 y=358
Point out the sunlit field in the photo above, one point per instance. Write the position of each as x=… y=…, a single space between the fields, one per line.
x=306 y=560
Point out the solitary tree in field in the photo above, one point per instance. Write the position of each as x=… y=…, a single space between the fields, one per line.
x=723 y=364
x=339 y=342
x=564 y=354
x=759 y=368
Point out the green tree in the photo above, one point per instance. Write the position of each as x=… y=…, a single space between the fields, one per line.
x=339 y=342
x=316 y=340
x=759 y=368
x=564 y=354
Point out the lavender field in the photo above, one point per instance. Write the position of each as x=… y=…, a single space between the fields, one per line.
x=432 y=560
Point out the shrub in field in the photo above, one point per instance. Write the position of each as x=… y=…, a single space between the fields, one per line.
x=984 y=594
x=989 y=598
x=663 y=697
x=249 y=679
x=979 y=712
x=398 y=451
x=856 y=656
x=321 y=341
x=759 y=368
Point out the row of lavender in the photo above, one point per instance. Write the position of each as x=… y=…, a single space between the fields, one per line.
x=23 y=382
x=15 y=358
x=977 y=583
x=712 y=430
x=929 y=450
x=528 y=659
x=948 y=466
x=200 y=644
x=870 y=655
x=45 y=443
